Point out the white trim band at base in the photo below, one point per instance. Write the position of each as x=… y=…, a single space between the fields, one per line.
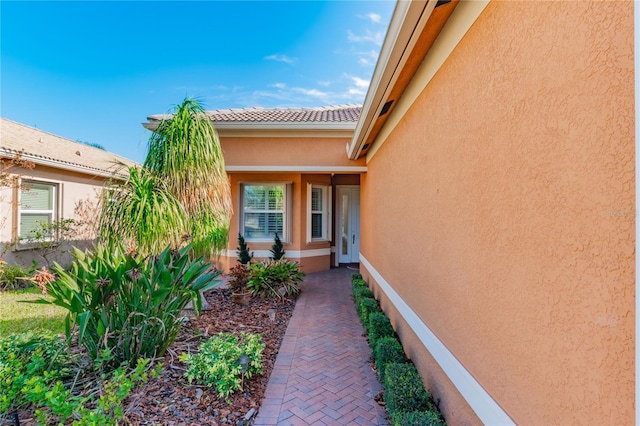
x=485 y=407
x=293 y=254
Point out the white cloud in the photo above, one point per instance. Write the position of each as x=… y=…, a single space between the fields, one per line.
x=279 y=85
x=368 y=37
x=359 y=82
x=314 y=93
x=374 y=17
x=281 y=58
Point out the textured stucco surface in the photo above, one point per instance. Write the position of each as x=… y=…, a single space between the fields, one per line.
x=289 y=151
x=74 y=189
x=502 y=210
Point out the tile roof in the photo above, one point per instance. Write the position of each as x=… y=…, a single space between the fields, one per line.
x=348 y=113
x=46 y=148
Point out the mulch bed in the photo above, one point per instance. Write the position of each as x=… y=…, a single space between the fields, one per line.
x=171 y=400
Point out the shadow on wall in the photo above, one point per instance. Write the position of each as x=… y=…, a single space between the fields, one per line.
x=61 y=253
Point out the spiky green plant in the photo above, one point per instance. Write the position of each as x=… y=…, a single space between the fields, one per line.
x=141 y=211
x=185 y=150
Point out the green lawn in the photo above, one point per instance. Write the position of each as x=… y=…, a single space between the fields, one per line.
x=16 y=316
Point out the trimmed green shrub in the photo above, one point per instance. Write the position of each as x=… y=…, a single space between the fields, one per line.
x=217 y=362
x=355 y=284
x=356 y=277
x=126 y=304
x=366 y=306
x=277 y=250
x=404 y=390
x=361 y=292
x=379 y=326
x=417 y=418
x=274 y=278
x=388 y=350
x=244 y=256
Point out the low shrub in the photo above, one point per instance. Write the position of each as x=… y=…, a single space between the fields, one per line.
x=217 y=362
x=362 y=292
x=358 y=283
x=388 y=350
x=14 y=277
x=366 y=306
x=277 y=250
x=404 y=390
x=34 y=369
x=127 y=304
x=379 y=326
x=275 y=278
x=356 y=277
x=29 y=362
x=417 y=418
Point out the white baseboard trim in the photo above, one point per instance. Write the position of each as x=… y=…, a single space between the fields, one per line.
x=485 y=407
x=291 y=254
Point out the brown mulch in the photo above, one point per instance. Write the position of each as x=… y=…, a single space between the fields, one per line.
x=171 y=400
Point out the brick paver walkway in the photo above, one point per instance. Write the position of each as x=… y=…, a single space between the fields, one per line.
x=322 y=375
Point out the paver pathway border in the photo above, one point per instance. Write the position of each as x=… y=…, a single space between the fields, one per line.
x=322 y=374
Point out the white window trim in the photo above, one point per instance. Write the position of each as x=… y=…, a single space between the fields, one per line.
x=326 y=213
x=22 y=241
x=286 y=219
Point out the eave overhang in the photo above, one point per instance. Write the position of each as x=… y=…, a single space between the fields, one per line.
x=116 y=173
x=414 y=27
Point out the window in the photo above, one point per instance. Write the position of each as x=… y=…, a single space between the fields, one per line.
x=37 y=207
x=264 y=211
x=318 y=208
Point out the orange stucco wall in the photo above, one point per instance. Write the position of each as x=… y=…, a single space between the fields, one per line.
x=289 y=151
x=514 y=236
x=297 y=239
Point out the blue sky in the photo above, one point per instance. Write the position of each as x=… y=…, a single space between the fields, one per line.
x=93 y=71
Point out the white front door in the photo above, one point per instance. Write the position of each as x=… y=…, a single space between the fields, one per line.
x=348 y=230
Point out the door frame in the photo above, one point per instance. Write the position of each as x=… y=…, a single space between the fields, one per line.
x=338 y=221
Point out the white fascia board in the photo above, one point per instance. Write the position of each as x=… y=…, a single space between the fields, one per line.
x=394 y=53
x=459 y=23
x=284 y=126
x=289 y=254
x=303 y=169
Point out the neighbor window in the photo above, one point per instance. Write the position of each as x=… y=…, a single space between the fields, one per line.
x=264 y=211
x=318 y=208
x=37 y=209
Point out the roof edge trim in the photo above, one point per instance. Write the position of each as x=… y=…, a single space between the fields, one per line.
x=305 y=169
x=407 y=15
x=458 y=24
x=43 y=161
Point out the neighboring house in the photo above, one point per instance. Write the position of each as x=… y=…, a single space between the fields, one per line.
x=289 y=175
x=488 y=193
x=63 y=182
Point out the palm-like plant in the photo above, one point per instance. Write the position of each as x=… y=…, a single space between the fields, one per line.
x=141 y=211
x=185 y=151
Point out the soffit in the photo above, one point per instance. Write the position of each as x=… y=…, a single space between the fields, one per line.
x=416 y=49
